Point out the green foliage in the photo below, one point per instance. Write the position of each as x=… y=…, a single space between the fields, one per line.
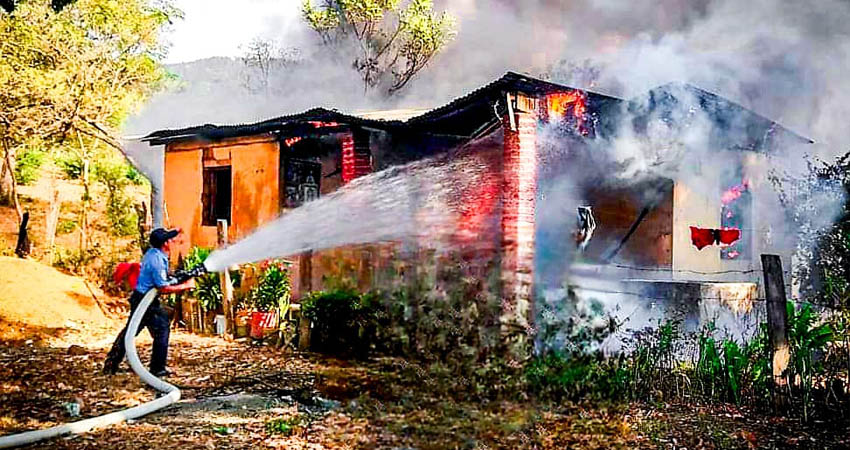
x=71 y=165
x=821 y=193
x=207 y=287
x=273 y=288
x=337 y=317
x=72 y=260
x=808 y=338
x=572 y=326
x=112 y=172
x=71 y=76
x=135 y=177
x=573 y=377
x=28 y=164
x=66 y=226
x=395 y=41
x=285 y=426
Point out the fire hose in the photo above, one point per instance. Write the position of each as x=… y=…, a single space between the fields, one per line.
x=172 y=393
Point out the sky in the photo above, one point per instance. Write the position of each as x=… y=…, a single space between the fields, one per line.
x=218 y=28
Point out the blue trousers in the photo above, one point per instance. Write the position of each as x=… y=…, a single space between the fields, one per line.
x=156 y=321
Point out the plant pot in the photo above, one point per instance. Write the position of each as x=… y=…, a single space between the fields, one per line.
x=243 y=323
x=262 y=322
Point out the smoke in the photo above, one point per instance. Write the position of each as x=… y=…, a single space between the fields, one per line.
x=785 y=61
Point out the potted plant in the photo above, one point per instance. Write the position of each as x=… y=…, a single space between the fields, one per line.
x=208 y=286
x=270 y=298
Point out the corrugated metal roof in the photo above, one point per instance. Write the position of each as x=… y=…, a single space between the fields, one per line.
x=476 y=107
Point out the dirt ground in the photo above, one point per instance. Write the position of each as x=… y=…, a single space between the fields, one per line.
x=55 y=331
x=238 y=395
x=43 y=305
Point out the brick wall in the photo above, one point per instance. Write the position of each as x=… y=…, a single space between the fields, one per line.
x=356 y=155
x=518 y=206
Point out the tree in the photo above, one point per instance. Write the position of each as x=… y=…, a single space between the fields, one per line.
x=825 y=248
x=71 y=77
x=261 y=57
x=394 y=42
x=10 y=5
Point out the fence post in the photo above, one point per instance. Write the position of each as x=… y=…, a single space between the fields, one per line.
x=305 y=285
x=226 y=285
x=777 y=321
x=22 y=249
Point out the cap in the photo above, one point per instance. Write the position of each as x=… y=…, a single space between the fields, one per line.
x=160 y=236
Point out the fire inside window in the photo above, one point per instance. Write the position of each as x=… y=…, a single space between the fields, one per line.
x=216 y=196
x=736 y=212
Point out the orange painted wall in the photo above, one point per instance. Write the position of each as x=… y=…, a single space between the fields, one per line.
x=255 y=186
x=254 y=168
x=183 y=185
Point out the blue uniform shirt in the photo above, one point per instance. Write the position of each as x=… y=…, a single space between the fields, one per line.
x=154 y=271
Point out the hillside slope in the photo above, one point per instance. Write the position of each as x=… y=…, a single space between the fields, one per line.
x=42 y=304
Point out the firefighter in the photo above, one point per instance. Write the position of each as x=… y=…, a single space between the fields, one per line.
x=153 y=274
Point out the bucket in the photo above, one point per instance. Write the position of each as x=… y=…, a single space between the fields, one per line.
x=220 y=324
x=262 y=321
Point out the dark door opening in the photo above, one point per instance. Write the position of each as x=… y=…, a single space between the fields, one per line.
x=216 y=195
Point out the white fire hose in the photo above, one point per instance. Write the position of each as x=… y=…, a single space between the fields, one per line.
x=172 y=394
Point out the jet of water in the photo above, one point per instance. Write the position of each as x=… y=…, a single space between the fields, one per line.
x=419 y=202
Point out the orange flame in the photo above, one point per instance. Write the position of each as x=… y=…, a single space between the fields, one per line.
x=565 y=104
x=292 y=141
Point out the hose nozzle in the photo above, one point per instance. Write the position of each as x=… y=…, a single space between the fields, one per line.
x=185 y=275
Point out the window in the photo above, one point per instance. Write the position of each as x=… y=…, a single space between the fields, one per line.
x=216 y=196
x=301 y=181
x=737 y=212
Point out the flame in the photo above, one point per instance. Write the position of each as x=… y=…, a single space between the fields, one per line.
x=734 y=192
x=571 y=103
x=728 y=197
x=292 y=141
x=319 y=124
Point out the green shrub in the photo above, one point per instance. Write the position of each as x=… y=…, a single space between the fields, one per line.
x=28 y=164
x=808 y=337
x=573 y=377
x=71 y=165
x=134 y=175
x=207 y=287
x=66 y=226
x=119 y=208
x=341 y=320
x=285 y=426
x=273 y=288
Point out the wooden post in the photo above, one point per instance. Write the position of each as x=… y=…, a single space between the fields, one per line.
x=50 y=224
x=305 y=285
x=777 y=320
x=23 y=247
x=226 y=285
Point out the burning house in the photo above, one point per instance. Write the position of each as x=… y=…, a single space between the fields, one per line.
x=686 y=220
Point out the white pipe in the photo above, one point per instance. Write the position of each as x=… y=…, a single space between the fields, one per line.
x=172 y=394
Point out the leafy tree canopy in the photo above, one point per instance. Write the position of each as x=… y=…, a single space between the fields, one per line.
x=81 y=70
x=57 y=5
x=395 y=39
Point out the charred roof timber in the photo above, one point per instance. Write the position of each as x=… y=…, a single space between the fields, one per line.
x=477 y=113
